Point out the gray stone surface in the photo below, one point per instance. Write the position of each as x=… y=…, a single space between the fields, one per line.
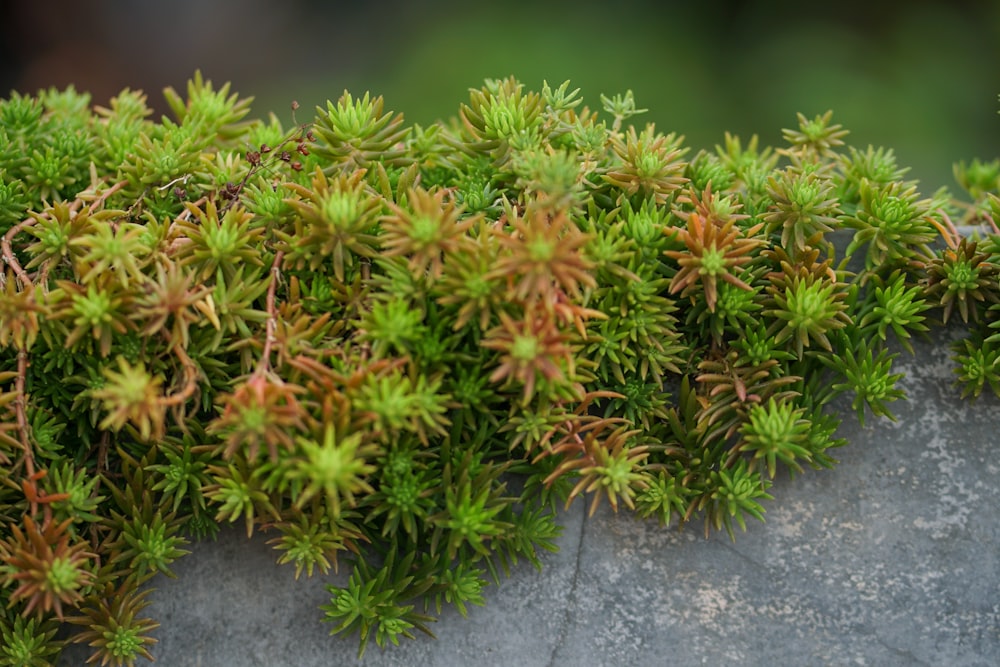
x=889 y=559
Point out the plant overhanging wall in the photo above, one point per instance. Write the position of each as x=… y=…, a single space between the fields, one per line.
x=402 y=348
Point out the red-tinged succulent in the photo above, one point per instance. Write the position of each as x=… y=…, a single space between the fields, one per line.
x=709 y=205
x=19 y=311
x=803 y=207
x=174 y=298
x=964 y=277
x=714 y=252
x=210 y=240
x=49 y=566
x=58 y=231
x=606 y=464
x=650 y=164
x=534 y=352
x=426 y=231
x=334 y=223
x=732 y=385
x=113 y=627
x=542 y=254
x=262 y=411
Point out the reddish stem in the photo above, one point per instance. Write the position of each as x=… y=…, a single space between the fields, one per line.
x=190 y=383
x=99 y=202
x=8 y=251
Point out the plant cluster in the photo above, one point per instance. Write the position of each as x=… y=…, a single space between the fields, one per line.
x=402 y=348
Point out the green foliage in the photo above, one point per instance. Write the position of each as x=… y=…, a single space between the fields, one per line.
x=375 y=600
x=868 y=376
x=412 y=344
x=978 y=365
x=27 y=642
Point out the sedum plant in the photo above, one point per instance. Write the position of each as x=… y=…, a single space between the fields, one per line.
x=401 y=349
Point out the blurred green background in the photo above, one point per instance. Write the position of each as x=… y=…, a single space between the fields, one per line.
x=920 y=77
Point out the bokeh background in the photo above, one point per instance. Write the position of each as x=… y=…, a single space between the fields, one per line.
x=920 y=77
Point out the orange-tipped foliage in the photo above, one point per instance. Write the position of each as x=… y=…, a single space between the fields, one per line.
x=427 y=230
x=48 y=569
x=603 y=464
x=532 y=349
x=543 y=254
x=262 y=411
x=651 y=164
x=713 y=252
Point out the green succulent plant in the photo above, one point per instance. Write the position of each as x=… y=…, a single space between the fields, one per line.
x=401 y=349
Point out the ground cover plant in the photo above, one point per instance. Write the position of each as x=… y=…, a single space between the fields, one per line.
x=400 y=349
